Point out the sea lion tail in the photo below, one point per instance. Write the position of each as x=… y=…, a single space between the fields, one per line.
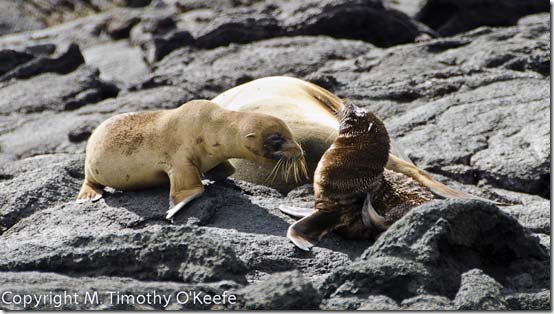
x=397 y=151
x=421 y=176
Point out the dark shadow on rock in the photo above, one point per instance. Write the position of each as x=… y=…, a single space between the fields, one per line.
x=66 y=62
x=428 y=250
x=452 y=17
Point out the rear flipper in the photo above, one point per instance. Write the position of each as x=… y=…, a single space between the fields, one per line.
x=298 y=212
x=90 y=192
x=306 y=232
x=371 y=218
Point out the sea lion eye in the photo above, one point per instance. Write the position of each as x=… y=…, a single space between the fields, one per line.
x=250 y=135
x=274 y=142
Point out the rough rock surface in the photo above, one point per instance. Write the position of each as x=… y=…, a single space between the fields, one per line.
x=467 y=98
x=281 y=291
x=428 y=250
x=478 y=291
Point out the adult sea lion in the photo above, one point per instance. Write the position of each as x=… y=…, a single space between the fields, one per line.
x=354 y=193
x=311 y=113
x=146 y=149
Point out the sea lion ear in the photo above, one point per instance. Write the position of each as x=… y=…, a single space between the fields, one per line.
x=250 y=135
x=356 y=110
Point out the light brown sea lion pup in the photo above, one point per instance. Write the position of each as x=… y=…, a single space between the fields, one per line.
x=311 y=113
x=353 y=192
x=145 y=149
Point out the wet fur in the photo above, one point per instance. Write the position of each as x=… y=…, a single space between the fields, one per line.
x=353 y=166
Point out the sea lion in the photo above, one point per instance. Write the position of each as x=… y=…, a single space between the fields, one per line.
x=145 y=149
x=353 y=192
x=311 y=113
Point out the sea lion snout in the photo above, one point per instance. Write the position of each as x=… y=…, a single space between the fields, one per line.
x=282 y=148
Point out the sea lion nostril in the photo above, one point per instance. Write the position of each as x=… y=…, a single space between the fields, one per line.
x=274 y=142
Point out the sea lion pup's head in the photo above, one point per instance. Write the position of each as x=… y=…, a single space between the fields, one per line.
x=366 y=134
x=268 y=140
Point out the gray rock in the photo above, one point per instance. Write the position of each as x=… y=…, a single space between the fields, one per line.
x=233 y=65
x=28 y=15
x=530 y=301
x=410 y=7
x=539 y=18
x=118 y=62
x=379 y=303
x=12 y=58
x=170 y=253
x=369 y=21
x=64 y=63
x=281 y=291
x=427 y=251
x=15 y=20
x=67 y=131
x=534 y=216
x=85 y=32
x=35 y=184
x=506 y=118
x=427 y=303
x=59 y=133
x=479 y=292
x=545 y=241
x=213 y=26
x=55 y=92
x=455 y=16
x=343 y=303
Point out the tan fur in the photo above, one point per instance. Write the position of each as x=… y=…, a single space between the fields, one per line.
x=145 y=149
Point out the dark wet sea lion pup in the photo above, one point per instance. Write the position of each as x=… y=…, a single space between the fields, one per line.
x=145 y=149
x=354 y=194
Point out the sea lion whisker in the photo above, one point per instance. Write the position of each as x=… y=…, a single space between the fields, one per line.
x=279 y=168
x=274 y=171
x=296 y=175
x=297 y=170
x=269 y=175
x=305 y=168
x=285 y=171
x=288 y=172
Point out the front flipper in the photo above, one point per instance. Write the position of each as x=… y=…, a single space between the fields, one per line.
x=182 y=199
x=306 y=232
x=299 y=212
x=371 y=217
x=185 y=186
x=220 y=172
x=89 y=192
